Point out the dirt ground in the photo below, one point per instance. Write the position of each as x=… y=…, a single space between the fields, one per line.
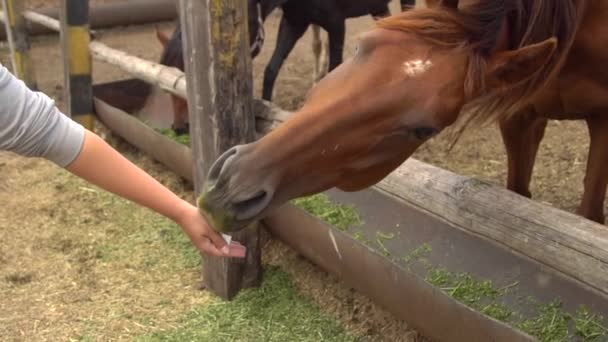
x=53 y=286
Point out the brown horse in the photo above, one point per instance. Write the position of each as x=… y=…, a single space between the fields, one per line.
x=517 y=62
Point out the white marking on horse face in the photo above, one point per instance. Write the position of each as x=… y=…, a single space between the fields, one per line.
x=416 y=67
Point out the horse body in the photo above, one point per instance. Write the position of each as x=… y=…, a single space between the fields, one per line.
x=581 y=86
x=580 y=91
x=519 y=63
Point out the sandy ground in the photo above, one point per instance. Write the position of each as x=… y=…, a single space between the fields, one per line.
x=53 y=288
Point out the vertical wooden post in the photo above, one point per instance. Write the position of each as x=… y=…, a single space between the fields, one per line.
x=19 y=42
x=220 y=99
x=75 y=39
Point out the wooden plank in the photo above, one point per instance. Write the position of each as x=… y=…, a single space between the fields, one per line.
x=567 y=243
x=170 y=79
x=112 y=14
x=75 y=38
x=167 y=78
x=18 y=41
x=43 y=20
x=218 y=68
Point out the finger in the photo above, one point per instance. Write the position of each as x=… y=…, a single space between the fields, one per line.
x=216 y=239
x=206 y=246
x=236 y=250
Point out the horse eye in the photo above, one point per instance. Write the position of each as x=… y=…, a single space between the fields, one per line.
x=424 y=133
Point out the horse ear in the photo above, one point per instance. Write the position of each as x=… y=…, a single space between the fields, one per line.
x=162 y=37
x=508 y=68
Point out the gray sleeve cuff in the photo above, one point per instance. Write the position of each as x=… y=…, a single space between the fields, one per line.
x=66 y=143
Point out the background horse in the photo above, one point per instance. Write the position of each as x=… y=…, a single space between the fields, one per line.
x=173 y=56
x=321 y=50
x=297 y=16
x=515 y=62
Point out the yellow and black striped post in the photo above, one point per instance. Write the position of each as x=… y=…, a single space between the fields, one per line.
x=75 y=40
x=19 y=43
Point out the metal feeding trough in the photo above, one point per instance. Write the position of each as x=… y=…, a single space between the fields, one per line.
x=379 y=269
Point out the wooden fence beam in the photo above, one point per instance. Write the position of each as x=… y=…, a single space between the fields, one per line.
x=167 y=78
x=18 y=41
x=75 y=40
x=220 y=99
x=111 y=14
x=567 y=243
x=170 y=79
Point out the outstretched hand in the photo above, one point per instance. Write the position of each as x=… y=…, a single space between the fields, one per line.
x=206 y=239
x=99 y=164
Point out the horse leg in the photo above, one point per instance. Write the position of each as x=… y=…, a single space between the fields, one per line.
x=382 y=13
x=407 y=4
x=324 y=58
x=596 y=177
x=180 y=116
x=289 y=33
x=521 y=135
x=336 y=32
x=320 y=66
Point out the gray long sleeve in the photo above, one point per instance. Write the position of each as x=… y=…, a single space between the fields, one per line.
x=32 y=126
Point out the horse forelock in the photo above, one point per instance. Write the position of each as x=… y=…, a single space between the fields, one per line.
x=478 y=30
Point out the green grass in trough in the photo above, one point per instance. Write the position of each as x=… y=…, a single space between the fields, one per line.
x=340 y=216
x=183 y=139
x=550 y=323
x=273 y=312
x=482 y=296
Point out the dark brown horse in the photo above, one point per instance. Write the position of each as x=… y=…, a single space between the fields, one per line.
x=516 y=62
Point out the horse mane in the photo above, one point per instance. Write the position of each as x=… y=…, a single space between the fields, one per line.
x=172 y=54
x=477 y=30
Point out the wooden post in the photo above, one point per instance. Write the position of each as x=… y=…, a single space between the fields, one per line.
x=19 y=43
x=220 y=99
x=75 y=40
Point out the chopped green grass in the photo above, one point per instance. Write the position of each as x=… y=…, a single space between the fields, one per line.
x=174 y=236
x=339 y=215
x=479 y=295
x=550 y=323
x=273 y=312
x=418 y=253
x=380 y=238
x=183 y=139
x=589 y=325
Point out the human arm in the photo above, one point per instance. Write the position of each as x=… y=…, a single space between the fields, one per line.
x=31 y=125
x=100 y=164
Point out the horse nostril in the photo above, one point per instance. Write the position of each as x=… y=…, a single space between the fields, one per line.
x=252 y=206
x=218 y=165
